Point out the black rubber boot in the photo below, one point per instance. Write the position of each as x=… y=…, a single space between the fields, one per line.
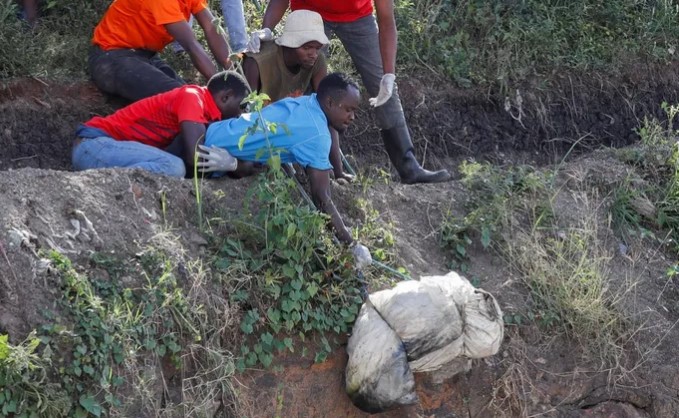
x=400 y=149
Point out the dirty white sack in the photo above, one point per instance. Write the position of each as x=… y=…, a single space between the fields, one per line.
x=432 y=323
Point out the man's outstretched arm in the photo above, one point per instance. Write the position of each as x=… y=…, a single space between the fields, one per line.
x=274 y=13
x=215 y=40
x=182 y=33
x=320 y=193
x=384 y=9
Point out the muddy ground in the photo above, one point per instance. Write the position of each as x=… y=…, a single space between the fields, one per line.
x=530 y=376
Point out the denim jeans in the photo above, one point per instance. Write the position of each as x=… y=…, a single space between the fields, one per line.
x=105 y=152
x=131 y=73
x=361 y=40
x=234 y=20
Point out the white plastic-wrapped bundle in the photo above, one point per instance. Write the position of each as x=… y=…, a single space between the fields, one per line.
x=411 y=308
x=377 y=375
x=483 y=329
x=417 y=326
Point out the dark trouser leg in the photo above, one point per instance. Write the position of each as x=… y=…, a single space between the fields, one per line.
x=166 y=69
x=361 y=40
x=131 y=74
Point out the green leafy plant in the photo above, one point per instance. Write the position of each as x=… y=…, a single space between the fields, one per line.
x=496 y=199
x=24 y=388
x=301 y=282
x=103 y=331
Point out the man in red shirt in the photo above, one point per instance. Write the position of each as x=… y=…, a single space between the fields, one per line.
x=123 y=59
x=137 y=135
x=372 y=47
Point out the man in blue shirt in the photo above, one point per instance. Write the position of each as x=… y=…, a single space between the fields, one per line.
x=301 y=135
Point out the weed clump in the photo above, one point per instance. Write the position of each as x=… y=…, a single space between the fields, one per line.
x=501 y=43
x=563 y=266
x=101 y=351
x=568 y=279
x=25 y=390
x=497 y=202
x=645 y=203
x=291 y=279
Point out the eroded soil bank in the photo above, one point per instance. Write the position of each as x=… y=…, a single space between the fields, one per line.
x=531 y=376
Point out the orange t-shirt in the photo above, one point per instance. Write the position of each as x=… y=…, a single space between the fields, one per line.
x=139 y=24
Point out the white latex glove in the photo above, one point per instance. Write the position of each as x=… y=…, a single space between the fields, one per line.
x=256 y=39
x=386 y=90
x=362 y=256
x=215 y=159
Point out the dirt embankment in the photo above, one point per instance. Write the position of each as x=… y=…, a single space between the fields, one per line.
x=537 y=122
x=530 y=377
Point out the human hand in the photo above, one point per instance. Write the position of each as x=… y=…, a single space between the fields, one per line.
x=256 y=39
x=386 y=90
x=362 y=256
x=215 y=159
x=344 y=178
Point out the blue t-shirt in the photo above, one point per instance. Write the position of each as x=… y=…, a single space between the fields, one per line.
x=306 y=140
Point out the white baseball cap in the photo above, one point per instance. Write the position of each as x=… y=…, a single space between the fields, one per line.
x=302 y=26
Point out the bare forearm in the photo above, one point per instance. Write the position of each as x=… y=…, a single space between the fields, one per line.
x=190 y=147
x=201 y=60
x=193 y=133
x=219 y=47
x=274 y=13
x=320 y=193
x=388 y=46
x=251 y=70
x=341 y=230
x=335 y=155
x=386 y=23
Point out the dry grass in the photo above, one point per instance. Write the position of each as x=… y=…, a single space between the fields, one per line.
x=568 y=277
x=565 y=264
x=199 y=383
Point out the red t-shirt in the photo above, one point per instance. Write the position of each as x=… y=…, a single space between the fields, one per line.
x=155 y=120
x=140 y=24
x=336 y=10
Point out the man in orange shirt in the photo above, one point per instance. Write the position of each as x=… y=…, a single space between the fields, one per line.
x=124 y=56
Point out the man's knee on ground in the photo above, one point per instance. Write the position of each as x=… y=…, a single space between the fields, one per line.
x=173 y=167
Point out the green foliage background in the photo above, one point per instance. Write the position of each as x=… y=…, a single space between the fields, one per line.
x=499 y=42
x=471 y=42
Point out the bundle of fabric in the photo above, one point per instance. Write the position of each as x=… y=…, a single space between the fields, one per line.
x=417 y=326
